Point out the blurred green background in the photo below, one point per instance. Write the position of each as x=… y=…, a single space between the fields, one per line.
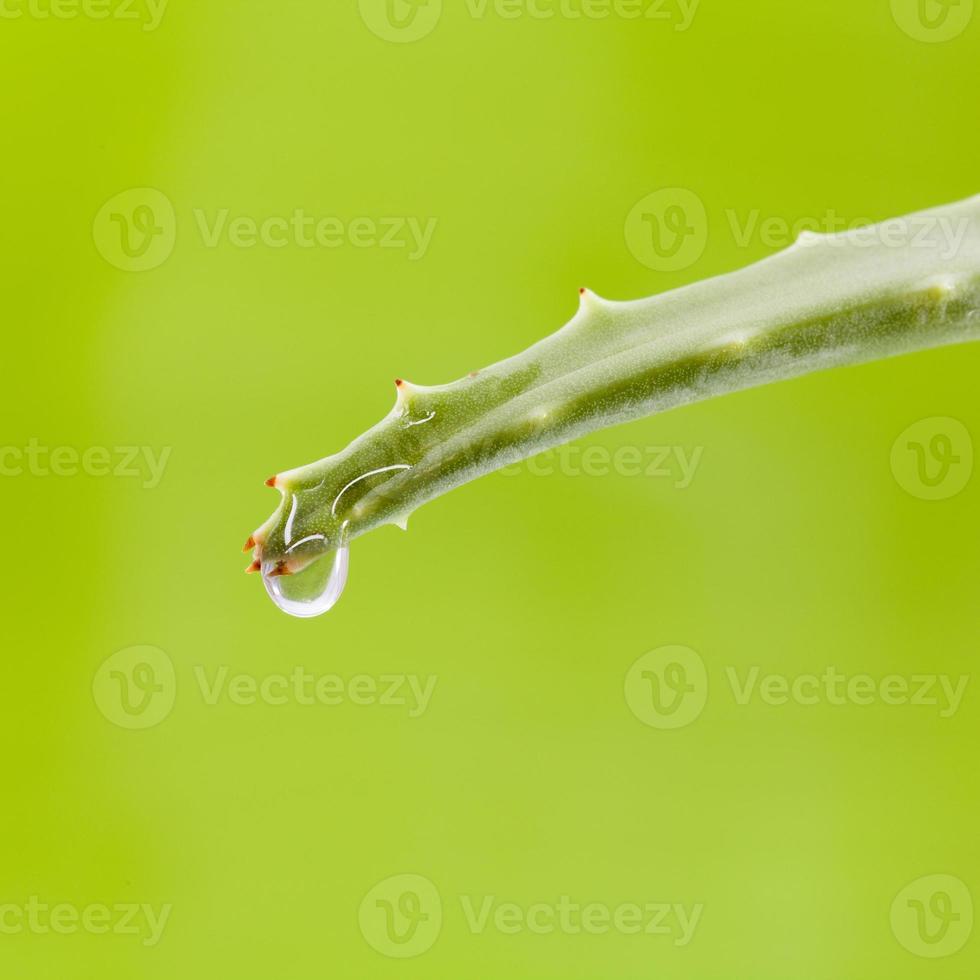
x=257 y=829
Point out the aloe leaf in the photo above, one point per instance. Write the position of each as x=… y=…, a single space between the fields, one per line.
x=829 y=300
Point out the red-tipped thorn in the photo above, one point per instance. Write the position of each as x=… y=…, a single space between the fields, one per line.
x=271 y=482
x=280 y=570
x=250 y=544
x=398 y=382
x=582 y=291
x=256 y=566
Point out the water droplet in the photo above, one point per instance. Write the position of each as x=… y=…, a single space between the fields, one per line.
x=313 y=590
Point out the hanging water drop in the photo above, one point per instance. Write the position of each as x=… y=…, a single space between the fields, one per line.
x=314 y=589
